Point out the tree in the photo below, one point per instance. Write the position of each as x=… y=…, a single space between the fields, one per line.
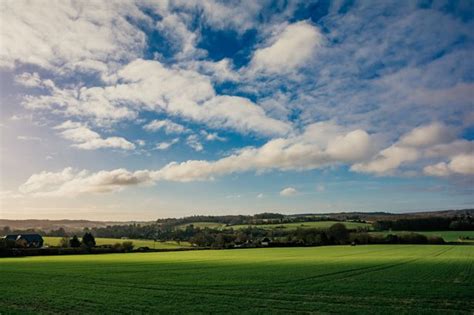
x=88 y=240
x=127 y=246
x=6 y=230
x=65 y=242
x=75 y=242
x=339 y=232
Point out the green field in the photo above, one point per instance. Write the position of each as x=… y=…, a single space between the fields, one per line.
x=54 y=241
x=448 y=236
x=377 y=279
x=283 y=226
x=202 y=225
x=294 y=226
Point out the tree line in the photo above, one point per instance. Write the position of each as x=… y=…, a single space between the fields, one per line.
x=456 y=223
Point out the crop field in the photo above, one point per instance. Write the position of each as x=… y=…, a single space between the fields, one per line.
x=54 y=241
x=381 y=279
x=283 y=226
x=448 y=236
x=317 y=224
x=202 y=225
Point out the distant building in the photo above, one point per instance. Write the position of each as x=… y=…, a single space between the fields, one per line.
x=265 y=241
x=26 y=240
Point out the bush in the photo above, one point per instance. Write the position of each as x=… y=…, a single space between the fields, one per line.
x=127 y=246
x=88 y=240
x=435 y=240
x=65 y=242
x=359 y=238
x=339 y=233
x=74 y=242
x=413 y=238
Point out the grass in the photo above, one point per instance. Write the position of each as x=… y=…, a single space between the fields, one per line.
x=202 y=225
x=54 y=241
x=377 y=279
x=448 y=236
x=317 y=224
x=283 y=226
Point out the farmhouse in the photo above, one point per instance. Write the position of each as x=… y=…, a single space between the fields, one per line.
x=26 y=240
x=265 y=241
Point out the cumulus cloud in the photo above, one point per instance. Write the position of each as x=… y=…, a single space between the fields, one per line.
x=149 y=85
x=78 y=102
x=167 y=125
x=429 y=141
x=180 y=38
x=428 y=135
x=70 y=182
x=288 y=191
x=212 y=136
x=28 y=79
x=388 y=160
x=69 y=35
x=460 y=164
x=288 y=50
x=87 y=139
x=306 y=151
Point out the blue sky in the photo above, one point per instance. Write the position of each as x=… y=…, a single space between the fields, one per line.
x=143 y=109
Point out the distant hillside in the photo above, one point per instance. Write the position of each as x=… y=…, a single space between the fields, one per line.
x=374 y=216
x=68 y=225
x=265 y=218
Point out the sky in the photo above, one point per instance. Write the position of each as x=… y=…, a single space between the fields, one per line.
x=138 y=110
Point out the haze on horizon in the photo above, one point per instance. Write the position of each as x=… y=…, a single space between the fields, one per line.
x=137 y=110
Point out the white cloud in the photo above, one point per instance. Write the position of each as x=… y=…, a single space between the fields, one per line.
x=70 y=182
x=288 y=191
x=237 y=15
x=289 y=50
x=69 y=35
x=212 y=136
x=260 y=196
x=354 y=145
x=388 y=160
x=303 y=152
x=28 y=79
x=166 y=145
x=167 y=125
x=320 y=145
x=460 y=164
x=193 y=142
x=78 y=101
x=87 y=139
x=179 y=36
x=426 y=141
x=149 y=85
x=432 y=134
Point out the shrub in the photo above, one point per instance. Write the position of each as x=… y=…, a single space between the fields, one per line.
x=65 y=242
x=435 y=240
x=339 y=233
x=413 y=238
x=127 y=246
x=88 y=240
x=75 y=242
